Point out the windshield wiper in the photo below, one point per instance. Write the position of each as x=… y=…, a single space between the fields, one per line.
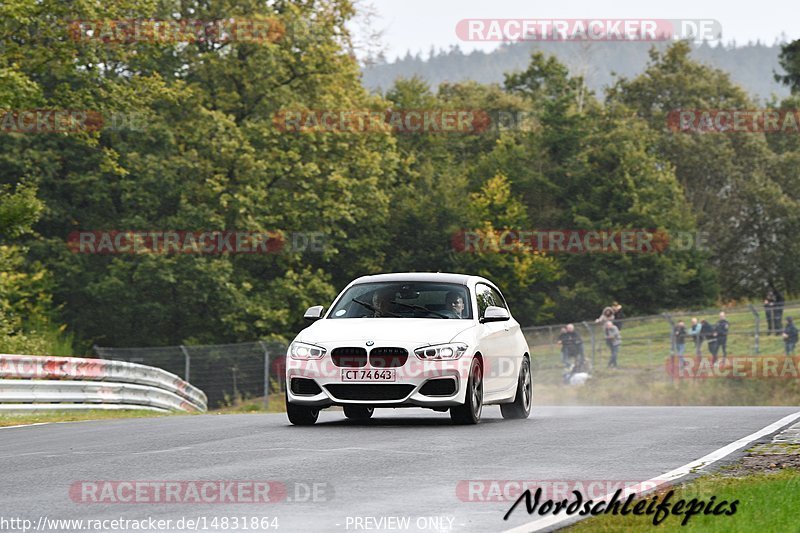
x=373 y=308
x=420 y=308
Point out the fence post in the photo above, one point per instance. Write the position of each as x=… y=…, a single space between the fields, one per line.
x=591 y=335
x=755 y=335
x=266 y=374
x=672 y=347
x=187 y=363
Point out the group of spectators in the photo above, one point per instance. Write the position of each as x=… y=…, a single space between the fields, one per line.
x=716 y=337
x=572 y=343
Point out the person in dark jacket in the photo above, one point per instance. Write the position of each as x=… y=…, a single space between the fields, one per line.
x=618 y=315
x=769 y=310
x=723 y=326
x=708 y=333
x=777 y=313
x=562 y=337
x=789 y=337
x=573 y=344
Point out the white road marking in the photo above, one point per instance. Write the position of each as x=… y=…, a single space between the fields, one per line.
x=25 y=425
x=672 y=475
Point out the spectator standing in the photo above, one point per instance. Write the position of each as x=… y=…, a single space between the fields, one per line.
x=618 y=315
x=777 y=312
x=789 y=337
x=562 y=341
x=574 y=345
x=613 y=341
x=679 y=335
x=769 y=309
x=607 y=314
x=712 y=341
x=694 y=331
x=706 y=334
x=723 y=326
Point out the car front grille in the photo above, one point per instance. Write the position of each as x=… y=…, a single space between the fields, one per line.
x=370 y=391
x=349 y=357
x=388 y=357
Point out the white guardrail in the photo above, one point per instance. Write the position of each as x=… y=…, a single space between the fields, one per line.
x=38 y=383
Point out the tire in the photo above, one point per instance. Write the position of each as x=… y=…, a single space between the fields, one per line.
x=301 y=415
x=470 y=412
x=358 y=412
x=521 y=408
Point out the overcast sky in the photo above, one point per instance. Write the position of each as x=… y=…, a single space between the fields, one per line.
x=417 y=24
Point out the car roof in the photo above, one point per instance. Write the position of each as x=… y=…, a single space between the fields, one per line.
x=443 y=277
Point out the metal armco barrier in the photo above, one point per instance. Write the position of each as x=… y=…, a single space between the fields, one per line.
x=40 y=383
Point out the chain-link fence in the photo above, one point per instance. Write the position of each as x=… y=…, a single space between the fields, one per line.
x=649 y=341
x=227 y=373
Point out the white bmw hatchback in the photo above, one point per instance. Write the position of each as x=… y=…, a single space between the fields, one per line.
x=442 y=341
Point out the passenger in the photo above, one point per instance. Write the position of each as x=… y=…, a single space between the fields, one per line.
x=381 y=301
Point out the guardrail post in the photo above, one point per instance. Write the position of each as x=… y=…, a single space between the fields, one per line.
x=187 y=363
x=266 y=374
x=591 y=335
x=755 y=334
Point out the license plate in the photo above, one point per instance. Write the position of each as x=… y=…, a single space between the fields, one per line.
x=370 y=375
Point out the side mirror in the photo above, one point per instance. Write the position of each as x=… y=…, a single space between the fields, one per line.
x=495 y=314
x=314 y=313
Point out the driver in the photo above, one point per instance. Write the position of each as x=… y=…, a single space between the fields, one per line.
x=454 y=303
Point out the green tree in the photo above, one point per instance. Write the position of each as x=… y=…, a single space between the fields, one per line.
x=730 y=180
x=789 y=59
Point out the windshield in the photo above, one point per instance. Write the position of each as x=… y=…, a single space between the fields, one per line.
x=404 y=300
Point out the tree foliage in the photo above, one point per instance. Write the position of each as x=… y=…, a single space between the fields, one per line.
x=190 y=143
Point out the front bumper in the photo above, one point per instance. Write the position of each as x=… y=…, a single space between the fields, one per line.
x=412 y=385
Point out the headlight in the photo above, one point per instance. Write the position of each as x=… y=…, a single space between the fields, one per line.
x=301 y=350
x=440 y=352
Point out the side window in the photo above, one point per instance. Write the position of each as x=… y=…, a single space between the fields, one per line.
x=498 y=299
x=483 y=295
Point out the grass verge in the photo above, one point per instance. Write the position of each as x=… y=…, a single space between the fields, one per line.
x=254 y=405
x=73 y=416
x=766 y=502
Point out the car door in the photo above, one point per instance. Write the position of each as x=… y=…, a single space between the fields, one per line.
x=508 y=341
x=493 y=342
